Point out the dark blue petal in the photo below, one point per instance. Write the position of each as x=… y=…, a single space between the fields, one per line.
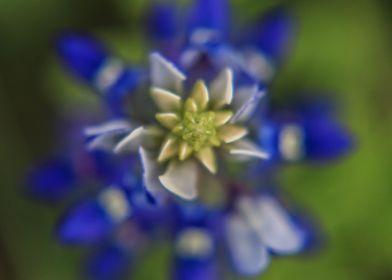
x=82 y=55
x=326 y=138
x=85 y=223
x=161 y=21
x=274 y=34
x=190 y=269
x=52 y=180
x=108 y=264
x=210 y=14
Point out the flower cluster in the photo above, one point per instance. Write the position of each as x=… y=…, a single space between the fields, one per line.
x=187 y=148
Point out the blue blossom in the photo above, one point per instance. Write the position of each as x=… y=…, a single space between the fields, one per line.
x=309 y=131
x=178 y=152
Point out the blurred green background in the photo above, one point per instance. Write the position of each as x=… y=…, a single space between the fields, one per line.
x=343 y=47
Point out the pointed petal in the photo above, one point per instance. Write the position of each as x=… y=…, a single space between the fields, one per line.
x=207 y=158
x=184 y=151
x=245 y=102
x=168 y=150
x=222 y=117
x=166 y=100
x=248 y=253
x=151 y=171
x=181 y=179
x=221 y=89
x=106 y=141
x=168 y=120
x=105 y=136
x=110 y=126
x=248 y=149
x=131 y=142
x=200 y=95
x=165 y=75
x=190 y=105
x=231 y=133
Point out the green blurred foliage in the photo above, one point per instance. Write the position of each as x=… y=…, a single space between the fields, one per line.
x=343 y=47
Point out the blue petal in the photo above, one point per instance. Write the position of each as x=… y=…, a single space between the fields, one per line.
x=195 y=269
x=273 y=35
x=326 y=138
x=107 y=264
x=85 y=223
x=162 y=21
x=52 y=180
x=82 y=55
x=210 y=14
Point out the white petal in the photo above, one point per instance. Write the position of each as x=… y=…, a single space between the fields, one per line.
x=181 y=179
x=273 y=225
x=231 y=133
x=106 y=141
x=280 y=232
x=247 y=251
x=194 y=242
x=245 y=102
x=106 y=127
x=246 y=149
x=164 y=74
x=166 y=100
x=151 y=171
x=131 y=142
x=109 y=74
x=189 y=57
x=221 y=89
x=115 y=202
x=258 y=66
x=291 y=142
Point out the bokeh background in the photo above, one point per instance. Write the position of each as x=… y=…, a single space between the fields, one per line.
x=343 y=47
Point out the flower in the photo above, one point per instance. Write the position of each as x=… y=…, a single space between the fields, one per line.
x=307 y=131
x=184 y=145
x=252 y=231
x=189 y=129
x=258 y=227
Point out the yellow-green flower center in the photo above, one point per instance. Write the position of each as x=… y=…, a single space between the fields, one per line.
x=197 y=129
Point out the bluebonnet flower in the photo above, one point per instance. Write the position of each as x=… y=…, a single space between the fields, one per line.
x=250 y=230
x=180 y=145
x=308 y=131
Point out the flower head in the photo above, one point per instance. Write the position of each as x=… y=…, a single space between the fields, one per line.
x=191 y=127
x=187 y=126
